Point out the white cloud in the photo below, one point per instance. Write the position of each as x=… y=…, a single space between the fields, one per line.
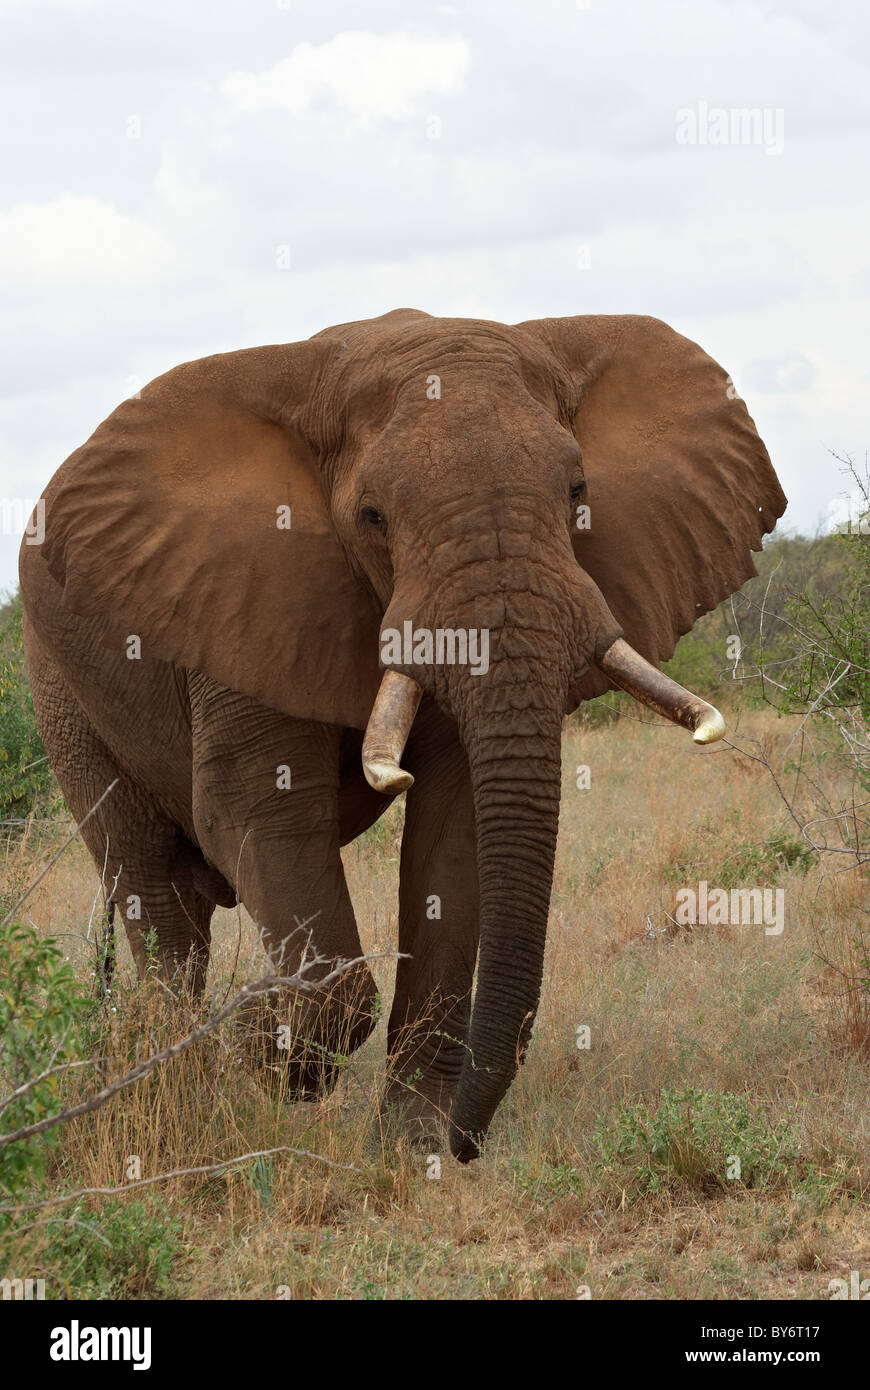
x=774 y=376
x=79 y=241
x=47 y=4
x=183 y=196
x=373 y=77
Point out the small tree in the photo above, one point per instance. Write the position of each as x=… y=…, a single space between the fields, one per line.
x=829 y=679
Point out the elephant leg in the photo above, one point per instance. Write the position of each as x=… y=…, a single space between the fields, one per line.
x=438 y=926
x=147 y=868
x=147 y=865
x=265 y=804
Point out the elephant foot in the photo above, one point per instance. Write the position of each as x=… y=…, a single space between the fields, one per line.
x=299 y=1047
x=420 y=1121
x=301 y=1077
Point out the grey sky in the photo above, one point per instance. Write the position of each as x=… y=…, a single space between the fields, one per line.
x=163 y=161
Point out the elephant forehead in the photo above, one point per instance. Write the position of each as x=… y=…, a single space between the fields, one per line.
x=502 y=450
x=419 y=358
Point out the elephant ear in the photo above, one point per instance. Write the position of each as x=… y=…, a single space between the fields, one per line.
x=680 y=486
x=193 y=518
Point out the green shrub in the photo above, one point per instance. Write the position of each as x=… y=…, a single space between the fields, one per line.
x=24 y=770
x=759 y=862
x=43 y=1010
x=832 y=628
x=691 y=1138
x=123 y=1250
x=755 y=862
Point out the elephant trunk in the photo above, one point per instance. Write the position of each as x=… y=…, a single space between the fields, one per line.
x=511 y=730
x=516 y=780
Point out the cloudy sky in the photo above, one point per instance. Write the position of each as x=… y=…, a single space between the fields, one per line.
x=182 y=177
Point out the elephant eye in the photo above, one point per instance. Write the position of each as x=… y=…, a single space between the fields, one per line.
x=578 y=489
x=370 y=516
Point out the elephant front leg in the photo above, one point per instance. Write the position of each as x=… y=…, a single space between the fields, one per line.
x=438 y=929
x=266 y=813
x=298 y=1038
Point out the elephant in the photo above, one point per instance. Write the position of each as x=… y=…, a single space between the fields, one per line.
x=247 y=611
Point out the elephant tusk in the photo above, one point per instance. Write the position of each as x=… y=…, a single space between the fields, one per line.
x=651 y=687
x=387 y=733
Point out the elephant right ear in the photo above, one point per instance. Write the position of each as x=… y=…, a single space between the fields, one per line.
x=194 y=519
x=681 y=488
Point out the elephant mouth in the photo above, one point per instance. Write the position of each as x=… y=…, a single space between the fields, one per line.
x=399 y=696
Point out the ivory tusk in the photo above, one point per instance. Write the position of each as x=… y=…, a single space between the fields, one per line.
x=387 y=733
x=651 y=687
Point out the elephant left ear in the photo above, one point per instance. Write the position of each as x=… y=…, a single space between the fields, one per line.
x=680 y=486
x=194 y=520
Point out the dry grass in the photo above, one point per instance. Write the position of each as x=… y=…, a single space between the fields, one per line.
x=585 y=1182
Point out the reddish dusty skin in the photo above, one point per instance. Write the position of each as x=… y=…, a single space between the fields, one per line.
x=260 y=641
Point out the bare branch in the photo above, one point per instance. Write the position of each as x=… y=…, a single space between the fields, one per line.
x=207 y=1168
x=268 y=984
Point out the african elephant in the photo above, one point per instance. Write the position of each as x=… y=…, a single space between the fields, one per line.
x=238 y=575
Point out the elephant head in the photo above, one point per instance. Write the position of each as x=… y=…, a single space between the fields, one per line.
x=579 y=489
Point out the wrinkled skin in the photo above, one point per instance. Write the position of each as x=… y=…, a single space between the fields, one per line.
x=260 y=644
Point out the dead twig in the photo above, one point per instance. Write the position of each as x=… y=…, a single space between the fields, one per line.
x=268 y=984
x=203 y=1169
